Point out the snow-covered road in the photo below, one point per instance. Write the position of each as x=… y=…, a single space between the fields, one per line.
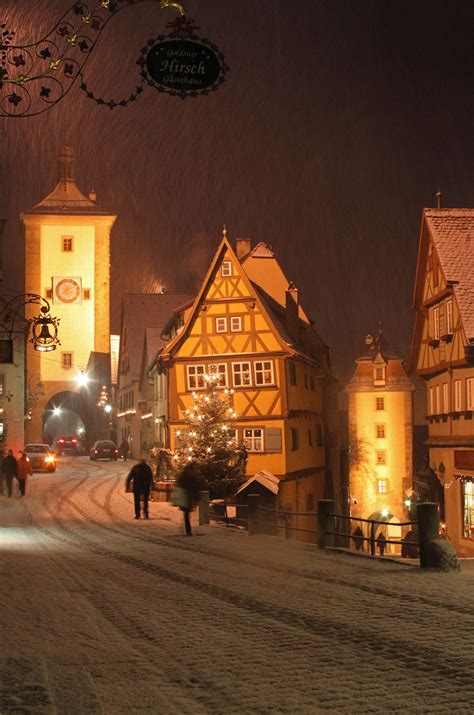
x=102 y=613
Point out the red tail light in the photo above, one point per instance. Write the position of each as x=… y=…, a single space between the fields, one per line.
x=96 y=451
x=74 y=441
x=61 y=441
x=116 y=451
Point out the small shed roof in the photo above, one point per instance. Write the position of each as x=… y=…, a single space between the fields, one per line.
x=265 y=478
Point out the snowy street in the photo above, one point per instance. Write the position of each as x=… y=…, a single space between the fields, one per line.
x=104 y=614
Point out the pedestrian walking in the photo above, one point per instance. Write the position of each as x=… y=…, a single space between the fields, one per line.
x=124 y=449
x=9 y=467
x=186 y=494
x=358 y=538
x=140 y=478
x=23 y=470
x=381 y=543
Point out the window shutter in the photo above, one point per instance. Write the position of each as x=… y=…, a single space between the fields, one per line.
x=272 y=439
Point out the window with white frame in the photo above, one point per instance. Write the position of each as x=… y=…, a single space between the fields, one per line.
x=253 y=439
x=241 y=374
x=226 y=269
x=468 y=509
x=437 y=399
x=380 y=431
x=195 y=374
x=380 y=456
x=436 y=323
x=470 y=393
x=457 y=395
x=445 y=398
x=382 y=487
x=219 y=369
x=449 y=317
x=236 y=324
x=264 y=372
x=221 y=325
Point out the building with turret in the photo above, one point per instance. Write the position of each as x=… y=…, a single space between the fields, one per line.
x=380 y=413
x=67 y=261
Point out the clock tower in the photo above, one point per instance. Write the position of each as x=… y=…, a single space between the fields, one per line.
x=67 y=261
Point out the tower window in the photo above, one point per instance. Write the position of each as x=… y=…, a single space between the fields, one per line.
x=381 y=456
x=380 y=431
x=382 y=487
x=380 y=403
x=86 y=294
x=66 y=361
x=67 y=244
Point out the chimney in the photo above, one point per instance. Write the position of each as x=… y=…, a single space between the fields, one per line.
x=292 y=317
x=243 y=246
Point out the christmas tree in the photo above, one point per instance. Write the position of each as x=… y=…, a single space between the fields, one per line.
x=209 y=439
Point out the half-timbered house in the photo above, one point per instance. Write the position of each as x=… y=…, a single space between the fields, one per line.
x=247 y=325
x=443 y=355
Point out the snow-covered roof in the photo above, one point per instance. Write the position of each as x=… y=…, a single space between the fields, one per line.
x=265 y=478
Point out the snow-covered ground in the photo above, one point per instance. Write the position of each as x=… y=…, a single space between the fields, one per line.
x=102 y=613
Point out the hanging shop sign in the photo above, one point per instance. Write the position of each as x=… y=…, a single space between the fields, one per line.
x=181 y=63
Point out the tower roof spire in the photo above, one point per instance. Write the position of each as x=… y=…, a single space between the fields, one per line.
x=438 y=198
x=66 y=164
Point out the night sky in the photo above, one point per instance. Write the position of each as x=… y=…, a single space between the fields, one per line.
x=336 y=124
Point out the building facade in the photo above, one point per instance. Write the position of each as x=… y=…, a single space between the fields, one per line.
x=443 y=356
x=248 y=326
x=67 y=261
x=380 y=414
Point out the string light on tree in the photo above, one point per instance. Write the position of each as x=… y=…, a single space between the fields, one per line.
x=205 y=440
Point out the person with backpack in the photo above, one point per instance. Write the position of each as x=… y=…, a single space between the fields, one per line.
x=140 y=478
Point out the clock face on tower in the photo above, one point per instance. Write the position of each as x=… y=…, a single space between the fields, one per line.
x=67 y=290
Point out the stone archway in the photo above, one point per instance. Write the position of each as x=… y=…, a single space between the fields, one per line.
x=390 y=528
x=66 y=414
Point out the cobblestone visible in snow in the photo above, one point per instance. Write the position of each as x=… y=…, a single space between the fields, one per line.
x=99 y=613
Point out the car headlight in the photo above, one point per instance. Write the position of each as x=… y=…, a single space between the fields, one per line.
x=49 y=459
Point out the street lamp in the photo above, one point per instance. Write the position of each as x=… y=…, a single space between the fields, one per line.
x=44 y=327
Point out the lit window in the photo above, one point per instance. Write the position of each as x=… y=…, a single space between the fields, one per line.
x=226 y=269
x=66 y=361
x=195 y=377
x=67 y=244
x=2 y=429
x=236 y=324
x=380 y=431
x=436 y=323
x=86 y=294
x=221 y=325
x=445 y=398
x=468 y=509
x=382 y=486
x=253 y=439
x=292 y=369
x=457 y=395
x=241 y=374
x=381 y=456
x=295 y=443
x=470 y=393
x=221 y=370
x=264 y=372
x=2 y=383
x=380 y=403
x=449 y=317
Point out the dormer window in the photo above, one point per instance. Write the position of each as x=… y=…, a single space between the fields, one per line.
x=226 y=269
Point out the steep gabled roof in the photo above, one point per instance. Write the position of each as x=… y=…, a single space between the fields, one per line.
x=452 y=234
x=224 y=247
x=139 y=312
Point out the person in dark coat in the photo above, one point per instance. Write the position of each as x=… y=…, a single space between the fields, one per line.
x=189 y=482
x=142 y=478
x=357 y=537
x=381 y=543
x=9 y=466
x=124 y=449
x=23 y=470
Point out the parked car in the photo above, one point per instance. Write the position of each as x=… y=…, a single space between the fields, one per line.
x=69 y=445
x=41 y=457
x=104 y=449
